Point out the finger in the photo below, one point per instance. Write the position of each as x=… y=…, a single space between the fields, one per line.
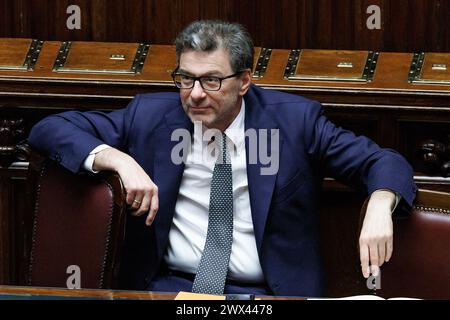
x=364 y=257
x=374 y=261
x=137 y=202
x=154 y=206
x=131 y=195
x=389 y=249
x=144 y=205
x=381 y=253
x=375 y=270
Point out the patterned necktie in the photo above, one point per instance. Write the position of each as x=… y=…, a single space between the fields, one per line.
x=213 y=267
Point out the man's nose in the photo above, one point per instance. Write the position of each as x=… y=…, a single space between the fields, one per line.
x=197 y=91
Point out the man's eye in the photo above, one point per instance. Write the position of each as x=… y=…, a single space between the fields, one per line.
x=185 y=78
x=211 y=79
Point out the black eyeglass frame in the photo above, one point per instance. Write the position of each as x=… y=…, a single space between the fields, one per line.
x=175 y=73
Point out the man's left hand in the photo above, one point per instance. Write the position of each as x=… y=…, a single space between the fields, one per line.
x=376 y=238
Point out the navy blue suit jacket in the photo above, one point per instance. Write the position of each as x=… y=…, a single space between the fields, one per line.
x=283 y=206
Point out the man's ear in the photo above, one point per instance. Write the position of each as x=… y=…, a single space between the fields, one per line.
x=246 y=79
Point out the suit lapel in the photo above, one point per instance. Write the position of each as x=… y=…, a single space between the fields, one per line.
x=260 y=186
x=167 y=174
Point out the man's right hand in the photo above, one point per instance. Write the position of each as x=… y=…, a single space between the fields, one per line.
x=142 y=193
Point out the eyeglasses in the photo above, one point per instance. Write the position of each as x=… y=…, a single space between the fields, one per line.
x=209 y=83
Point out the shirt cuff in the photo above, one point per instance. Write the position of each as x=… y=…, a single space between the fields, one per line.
x=398 y=197
x=89 y=161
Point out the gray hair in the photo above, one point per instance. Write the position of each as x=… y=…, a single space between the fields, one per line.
x=209 y=35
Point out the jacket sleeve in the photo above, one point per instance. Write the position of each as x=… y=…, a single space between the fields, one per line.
x=356 y=160
x=69 y=137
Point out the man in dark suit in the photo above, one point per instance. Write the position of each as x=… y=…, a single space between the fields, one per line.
x=275 y=148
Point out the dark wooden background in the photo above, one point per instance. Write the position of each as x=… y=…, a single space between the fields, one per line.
x=407 y=25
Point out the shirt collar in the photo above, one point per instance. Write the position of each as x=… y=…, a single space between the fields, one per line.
x=235 y=131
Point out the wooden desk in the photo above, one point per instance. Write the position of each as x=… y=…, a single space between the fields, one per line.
x=84 y=293
x=61 y=293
